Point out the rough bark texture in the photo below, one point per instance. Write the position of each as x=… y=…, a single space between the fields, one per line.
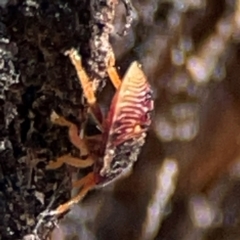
x=189 y=51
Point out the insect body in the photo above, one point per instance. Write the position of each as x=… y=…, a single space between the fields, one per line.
x=125 y=127
x=123 y=131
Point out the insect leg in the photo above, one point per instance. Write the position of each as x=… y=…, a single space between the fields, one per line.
x=82 y=76
x=86 y=86
x=97 y=116
x=112 y=72
x=73 y=132
x=72 y=161
x=87 y=183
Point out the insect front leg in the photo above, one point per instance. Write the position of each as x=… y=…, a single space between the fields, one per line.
x=82 y=76
x=87 y=87
x=112 y=72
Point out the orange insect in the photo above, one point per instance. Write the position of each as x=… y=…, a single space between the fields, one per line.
x=123 y=131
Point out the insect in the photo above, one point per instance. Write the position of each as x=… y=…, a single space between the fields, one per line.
x=123 y=130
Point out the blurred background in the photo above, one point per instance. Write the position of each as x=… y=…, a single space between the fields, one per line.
x=186 y=182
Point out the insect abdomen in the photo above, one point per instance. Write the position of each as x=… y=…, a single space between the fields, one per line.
x=128 y=120
x=133 y=106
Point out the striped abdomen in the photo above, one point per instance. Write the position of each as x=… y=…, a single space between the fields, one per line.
x=127 y=122
x=129 y=114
